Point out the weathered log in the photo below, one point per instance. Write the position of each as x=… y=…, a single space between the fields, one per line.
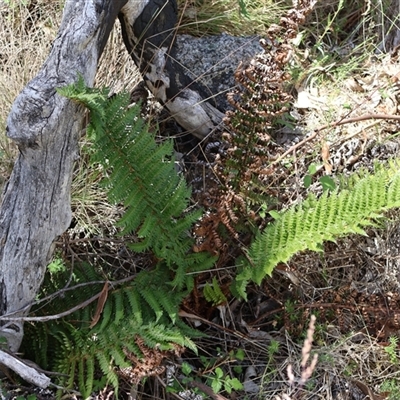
x=149 y=30
x=35 y=207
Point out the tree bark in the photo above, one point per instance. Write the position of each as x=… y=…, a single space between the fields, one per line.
x=149 y=30
x=35 y=207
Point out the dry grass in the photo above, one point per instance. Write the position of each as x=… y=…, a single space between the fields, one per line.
x=26 y=34
x=352 y=362
x=22 y=52
x=202 y=17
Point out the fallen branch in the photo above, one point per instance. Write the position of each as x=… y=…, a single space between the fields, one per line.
x=52 y=317
x=26 y=372
x=334 y=124
x=52 y=296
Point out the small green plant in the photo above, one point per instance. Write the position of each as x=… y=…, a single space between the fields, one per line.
x=218 y=380
x=213 y=373
x=290 y=310
x=391 y=350
x=351 y=368
x=237 y=357
x=262 y=212
x=327 y=183
x=272 y=350
x=270 y=370
x=56 y=266
x=392 y=387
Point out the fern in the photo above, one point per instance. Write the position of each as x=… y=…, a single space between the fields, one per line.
x=306 y=226
x=142 y=176
x=129 y=313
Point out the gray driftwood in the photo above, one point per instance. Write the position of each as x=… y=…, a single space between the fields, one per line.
x=25 y=371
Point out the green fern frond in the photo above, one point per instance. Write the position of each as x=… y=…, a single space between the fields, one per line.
x=86 y=376
x=142 y=176
x=308 y=225
x=213 y=293
x=119 y=307
x=106 y=315
x=107 y=368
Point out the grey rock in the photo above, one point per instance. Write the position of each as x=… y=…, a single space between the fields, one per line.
x=212 y=60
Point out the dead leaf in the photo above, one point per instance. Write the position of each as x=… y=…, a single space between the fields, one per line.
x=308 y=97
x=100 y=305
x=353 y=85
x=325 y=154
x=367 y=391
x=285 y=270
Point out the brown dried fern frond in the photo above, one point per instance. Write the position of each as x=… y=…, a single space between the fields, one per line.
x=244 y=169
x=150 y=364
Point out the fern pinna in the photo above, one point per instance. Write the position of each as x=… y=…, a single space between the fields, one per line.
x=141 y=316
x=359 y=203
